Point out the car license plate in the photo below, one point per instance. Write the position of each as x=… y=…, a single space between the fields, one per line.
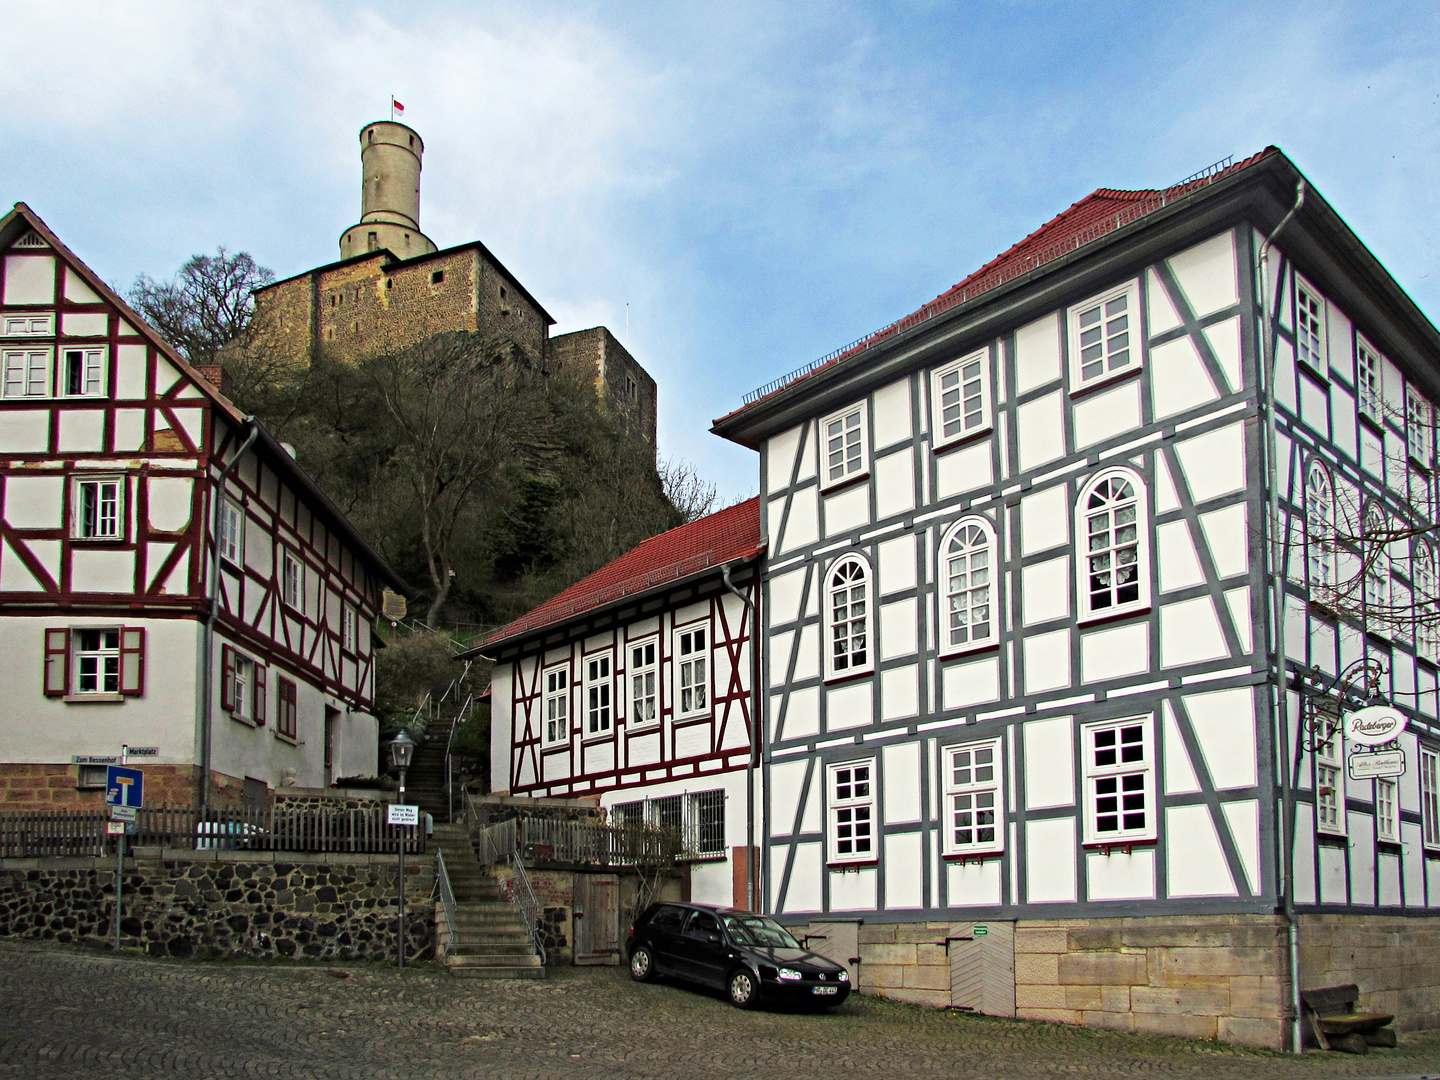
x=824 y=989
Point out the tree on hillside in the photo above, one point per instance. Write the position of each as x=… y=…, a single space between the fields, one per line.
x=687 y=491
x=207 y=304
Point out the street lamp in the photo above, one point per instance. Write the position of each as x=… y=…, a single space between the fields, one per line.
x=401 y=751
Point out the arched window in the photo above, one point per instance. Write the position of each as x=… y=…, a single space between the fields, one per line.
x=967 y=577
x=1112 y=519
x=1319 y=528
x=1378 y=585
x=1426 y=602
x=847 y=595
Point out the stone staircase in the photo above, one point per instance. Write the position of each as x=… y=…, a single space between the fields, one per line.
x=488 y=940
x=425 y=781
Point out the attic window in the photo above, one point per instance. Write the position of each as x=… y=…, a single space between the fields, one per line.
x=31 y=240
x=437 y=277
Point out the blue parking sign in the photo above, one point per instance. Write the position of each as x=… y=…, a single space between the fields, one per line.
x=124 y=787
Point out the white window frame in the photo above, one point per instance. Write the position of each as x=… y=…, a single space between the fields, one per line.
x=25 y=373
x=1083 y=555
x=232 y=532
x=977 y=383
x=101 y=525
x=693 y=645
x=969 y=589
x=25 y=325
x=848 y=470
x=866 y=663
x=1109 y=790
x=349 y=627
x=599 y=695
x=242 y=685
x=1387 y=809
x=968 y=782
x=1329 y=765
x=93 y=372
x=1419 y=428
x=1311 y=348
x=851 y=813
x=643 y=679
x=1369 y=376
x=1130 y=290
x=1430 y=797
x=1320 y=532
x=102 y=656
x=1378 y=588
x=292 y=580
x=555 y=705
x=1425 y=599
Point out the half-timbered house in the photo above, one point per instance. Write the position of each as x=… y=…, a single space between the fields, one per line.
x=635 y=687
x=1023 y=745
x=126 y=479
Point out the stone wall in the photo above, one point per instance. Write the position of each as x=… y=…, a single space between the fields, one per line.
x=1394 y=961
x=224 y=904
x=624 y=388
x=493 y=809
x=46 y=786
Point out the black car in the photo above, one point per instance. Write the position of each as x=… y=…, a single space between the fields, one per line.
x=747 y=955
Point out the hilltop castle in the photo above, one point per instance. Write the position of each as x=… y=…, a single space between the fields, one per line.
x=392 y=287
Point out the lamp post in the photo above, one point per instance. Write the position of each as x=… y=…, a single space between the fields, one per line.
x=401 y=751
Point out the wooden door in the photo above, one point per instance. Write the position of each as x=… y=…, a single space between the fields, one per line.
x=597 y=919
x=982 y=967
x=837 y=941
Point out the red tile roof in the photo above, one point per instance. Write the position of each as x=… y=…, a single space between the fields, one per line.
x=721 y=537
x=1099 y=213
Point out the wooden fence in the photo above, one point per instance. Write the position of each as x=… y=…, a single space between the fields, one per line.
x=45 y=833
x=541 y=841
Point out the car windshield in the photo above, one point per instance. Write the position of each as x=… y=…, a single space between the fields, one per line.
x=760 y=931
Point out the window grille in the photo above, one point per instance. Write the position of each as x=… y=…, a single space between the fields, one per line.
x=709 y=823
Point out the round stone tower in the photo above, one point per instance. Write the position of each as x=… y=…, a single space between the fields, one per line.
x=390 y=193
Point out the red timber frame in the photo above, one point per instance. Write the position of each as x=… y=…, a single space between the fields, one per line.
x=181 y=416
x=727 y=723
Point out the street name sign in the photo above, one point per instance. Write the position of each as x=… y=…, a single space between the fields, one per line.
x=398 y=814
x=1383 y=763
x=142 y=751
x=124 y=787
x=94 y=759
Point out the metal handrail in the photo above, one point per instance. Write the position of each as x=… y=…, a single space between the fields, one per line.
x=524 y=898
x=447 y=894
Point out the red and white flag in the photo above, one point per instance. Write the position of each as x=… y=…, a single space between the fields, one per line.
x=396 y=109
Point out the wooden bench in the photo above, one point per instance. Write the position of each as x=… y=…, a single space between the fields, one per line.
x=1332 y=1019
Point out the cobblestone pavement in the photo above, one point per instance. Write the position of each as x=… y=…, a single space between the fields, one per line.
x=68 y=1013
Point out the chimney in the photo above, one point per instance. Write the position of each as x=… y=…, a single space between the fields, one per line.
x=216 y=376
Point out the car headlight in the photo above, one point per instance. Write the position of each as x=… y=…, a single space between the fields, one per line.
x=844 y=976
x=789 y=974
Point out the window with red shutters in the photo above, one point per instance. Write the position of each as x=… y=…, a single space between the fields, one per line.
x=285 y=712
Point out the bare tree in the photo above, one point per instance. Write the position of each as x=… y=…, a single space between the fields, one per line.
x=207 y=304
x=692 y=496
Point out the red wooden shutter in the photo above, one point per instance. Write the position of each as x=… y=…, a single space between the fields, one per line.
x=261 y=699
x=57 y=662
x=132 y=660
x=227 y=678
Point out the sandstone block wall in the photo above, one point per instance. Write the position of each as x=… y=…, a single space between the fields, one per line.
x=905 y=961
x=1395 y=962
x=55 y=786
x=625 y=389
x=224 y=904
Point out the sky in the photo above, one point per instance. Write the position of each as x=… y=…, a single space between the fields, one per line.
x=734 y=189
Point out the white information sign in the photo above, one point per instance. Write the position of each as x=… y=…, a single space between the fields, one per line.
x=1373 y=726
x=123 y=813
x=398 y=814
x=1380 y=764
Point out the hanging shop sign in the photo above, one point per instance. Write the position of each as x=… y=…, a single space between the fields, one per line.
x=1375 y=725
x=1381 y=764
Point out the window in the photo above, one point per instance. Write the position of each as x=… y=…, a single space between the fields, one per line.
x=437 y=277
x=668 y=814
x=99 y=507
x=232 y=533
x=692 y=671
x=697 y=819
x=243 y=686
x=968 y=558
x=1320 y=531
x=82 y=373
x=1329 y=781
x=285 y=723
x=1367 y=379
x=97 y=661
x=27 y=373
x=848 y=611
x=632 y=389
x=349 y=619
x=1100 y=345
x=1310 y=328
x=291 y=580
x=1115 y=579
x=846 y=446
x=1377 y=570
x=94 y=661
x=1119 y=782
x=960 y=396
x=1430 y=797
x=597 y=695
x=973 y=799
x=1426 y=602
x=92 y=776
x=708 y=817
x=1419 y=428
x=644 y=683
x=557 y=706
x=1387 y=816
x=29 y=326
x=852 y=812
x=628 y=815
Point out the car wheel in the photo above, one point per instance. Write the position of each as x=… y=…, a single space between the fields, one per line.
x=642 y=964
x=744 y=989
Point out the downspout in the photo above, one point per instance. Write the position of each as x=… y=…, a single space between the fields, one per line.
x=207 y=644
x=1286 y=862
x=751 y=889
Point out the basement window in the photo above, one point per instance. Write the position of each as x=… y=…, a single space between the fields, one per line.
x=91 y=777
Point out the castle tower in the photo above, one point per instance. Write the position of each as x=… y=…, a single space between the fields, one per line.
x=389 y=195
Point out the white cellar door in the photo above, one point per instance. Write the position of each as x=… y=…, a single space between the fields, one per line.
x=982 y=968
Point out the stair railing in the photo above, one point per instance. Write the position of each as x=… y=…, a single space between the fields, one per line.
x=524 y=898
x=447 y=894
x=449 y=745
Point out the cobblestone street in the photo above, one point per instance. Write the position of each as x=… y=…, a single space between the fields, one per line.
x=69 y=1013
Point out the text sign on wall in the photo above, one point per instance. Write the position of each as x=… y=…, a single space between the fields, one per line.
x=1383 y=763
x=94 y=759
x=1374 y=726
x=397 y=814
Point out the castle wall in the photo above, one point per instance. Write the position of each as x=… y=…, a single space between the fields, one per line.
x=624 y=388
